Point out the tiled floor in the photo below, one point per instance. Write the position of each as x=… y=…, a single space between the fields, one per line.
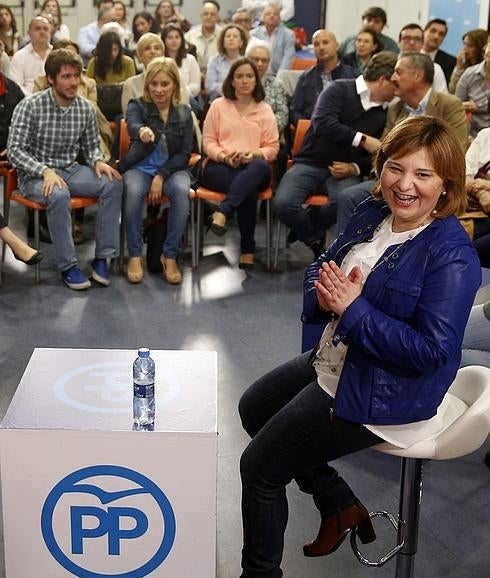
x=253 y=322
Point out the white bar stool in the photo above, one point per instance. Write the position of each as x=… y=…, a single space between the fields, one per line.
x=465 y=435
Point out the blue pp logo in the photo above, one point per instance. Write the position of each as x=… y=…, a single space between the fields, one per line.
x=109 y=515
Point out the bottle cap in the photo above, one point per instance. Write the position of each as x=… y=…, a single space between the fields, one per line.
x=143 y=352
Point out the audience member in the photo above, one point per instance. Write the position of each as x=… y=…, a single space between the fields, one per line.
x=175 y=48
x=204 y=36
x=478 y=189
x=240 y=139
x=28 y=62
x=395 y=291
x=156 y=163
x=232 y=43
x=275 y=97
x=109 y=65
x=10 y=96
x=347 y=121
x=476 y=340
x=474 y=42
x=143 y=22
x=166 y=13
x=280 y=38
x=434 y=34
x=411 y=39
x=4 y=59
x=374 y=17
x=367 y=44
x=256 y=9
x=242 y=17
x=60 y=30
x=87 y=89
x=48 y=131
x=149 y=47
x=413 y=80
x=473 y=90
x=315 y=79
x=120 y=16
x=21 y=250
x=89 y=35
x=9 y=33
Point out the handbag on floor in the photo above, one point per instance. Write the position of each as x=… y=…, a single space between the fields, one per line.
x=155 y=232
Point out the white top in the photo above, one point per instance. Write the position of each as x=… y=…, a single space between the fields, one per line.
x=479 y=152
x=330 y=359
x=26 y=65
x=190 y=75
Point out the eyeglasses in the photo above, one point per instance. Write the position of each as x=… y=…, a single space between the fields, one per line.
x=412 y=39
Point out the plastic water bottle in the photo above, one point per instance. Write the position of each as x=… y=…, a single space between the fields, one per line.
x=143 y=388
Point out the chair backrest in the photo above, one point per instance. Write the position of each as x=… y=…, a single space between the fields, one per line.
x=302 y=63
x=301 y=128
x=123 y=138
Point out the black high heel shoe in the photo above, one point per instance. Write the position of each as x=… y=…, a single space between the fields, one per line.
x=334 y=530
x=36 y=258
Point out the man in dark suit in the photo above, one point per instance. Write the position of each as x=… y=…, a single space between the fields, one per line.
x=413 y=78
x=434 y=33
x=312 y=81
x=346 y=123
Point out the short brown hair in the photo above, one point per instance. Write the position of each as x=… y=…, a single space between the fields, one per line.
x=243 y=35
x=439 y=140
x=168 y=66
x=258 y=93
x=61 y=57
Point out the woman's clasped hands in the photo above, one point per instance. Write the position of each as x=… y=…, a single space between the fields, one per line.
x=238 y=158
x=335 y=290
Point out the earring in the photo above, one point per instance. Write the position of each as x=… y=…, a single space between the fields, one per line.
x=443 y=194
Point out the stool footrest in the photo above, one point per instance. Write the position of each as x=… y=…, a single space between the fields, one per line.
x=389 y=555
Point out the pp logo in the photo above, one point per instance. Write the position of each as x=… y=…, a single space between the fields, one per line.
x=108 y=521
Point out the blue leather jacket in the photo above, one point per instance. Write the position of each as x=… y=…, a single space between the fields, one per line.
x=178 y=131
x=405 y=330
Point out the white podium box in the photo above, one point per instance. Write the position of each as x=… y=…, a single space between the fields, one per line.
x=85 y=495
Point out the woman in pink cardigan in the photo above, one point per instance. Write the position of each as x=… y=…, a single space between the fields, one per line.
x=240 y=139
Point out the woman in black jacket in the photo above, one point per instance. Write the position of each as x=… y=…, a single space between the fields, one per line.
x=161 y=133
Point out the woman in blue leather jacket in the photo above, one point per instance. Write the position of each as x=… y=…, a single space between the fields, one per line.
x=161 y=133
x=395 y=291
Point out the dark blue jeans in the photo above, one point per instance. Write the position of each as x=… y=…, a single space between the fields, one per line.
x=242 y=186
x=287 y=415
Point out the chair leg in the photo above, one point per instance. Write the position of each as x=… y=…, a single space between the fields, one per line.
x=408 y=515
x=277 y=241
x=37 y=243
x=193 y=231
x=122 y=239
x=199 y=228
x=268 y=233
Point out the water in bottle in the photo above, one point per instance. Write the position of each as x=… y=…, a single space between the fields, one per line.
x=143 y=388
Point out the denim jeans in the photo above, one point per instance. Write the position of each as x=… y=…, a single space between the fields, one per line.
x=81 y=182
x=300 y=181
x=287 y=415
x=348 y=201
x=242 y=186
x=136 y=187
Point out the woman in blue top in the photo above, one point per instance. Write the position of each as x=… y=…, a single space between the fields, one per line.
x=161 y=133
x=395 y=290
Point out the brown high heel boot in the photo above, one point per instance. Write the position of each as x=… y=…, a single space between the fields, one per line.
x=334 y=530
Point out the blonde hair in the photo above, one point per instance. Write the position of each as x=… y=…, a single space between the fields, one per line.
x=146 y=39
x=167 y=66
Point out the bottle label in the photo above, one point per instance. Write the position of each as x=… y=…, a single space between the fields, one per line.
x=144 y=391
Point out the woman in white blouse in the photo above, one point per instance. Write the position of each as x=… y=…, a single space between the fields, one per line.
x=190 y=74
